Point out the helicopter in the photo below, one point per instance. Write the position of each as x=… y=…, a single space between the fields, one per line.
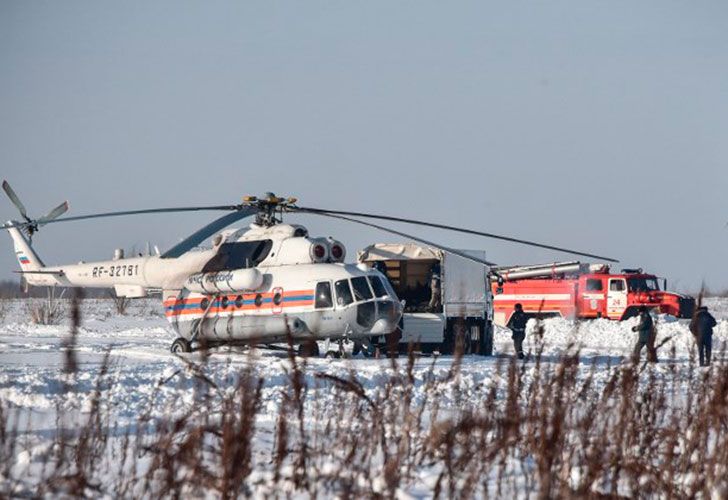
x=268 y=284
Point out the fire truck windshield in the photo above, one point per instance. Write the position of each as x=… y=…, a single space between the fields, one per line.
x=642 y=285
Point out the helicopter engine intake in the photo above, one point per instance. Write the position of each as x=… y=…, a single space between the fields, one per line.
x=240 y=280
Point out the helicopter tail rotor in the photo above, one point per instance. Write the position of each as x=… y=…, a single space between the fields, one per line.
x=30 y=226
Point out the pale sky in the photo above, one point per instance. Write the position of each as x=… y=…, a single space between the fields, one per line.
x=598 y=125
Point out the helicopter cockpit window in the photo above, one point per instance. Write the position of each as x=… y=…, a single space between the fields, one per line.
x=379 y=289
x=343 y=293
x=323 y=295
x=238 y=255
x=361 y=289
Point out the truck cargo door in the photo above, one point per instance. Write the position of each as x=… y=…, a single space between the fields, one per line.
x=616 y=298
x=464 y=287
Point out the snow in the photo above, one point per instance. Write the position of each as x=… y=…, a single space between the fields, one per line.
x=149 y=379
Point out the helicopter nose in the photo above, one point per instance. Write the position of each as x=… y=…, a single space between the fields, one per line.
x=382 y=327
x=388 y=315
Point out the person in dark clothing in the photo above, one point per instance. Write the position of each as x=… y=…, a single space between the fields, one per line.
x=517 y=324
x=644 y=327
x=381 y=267
x=702 y=328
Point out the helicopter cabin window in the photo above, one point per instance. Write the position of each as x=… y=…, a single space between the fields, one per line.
x=323 y=295
x=343 y=293
x=616 y=286
x=361 y=289
x=379 y=289
x=593 y=285
x=238 y=255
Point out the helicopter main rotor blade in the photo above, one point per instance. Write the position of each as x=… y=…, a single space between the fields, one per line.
x=201 y=235
x=16 y=201
x=142 y=212
x=453 y=228
x=53 y=214
x=453 y=251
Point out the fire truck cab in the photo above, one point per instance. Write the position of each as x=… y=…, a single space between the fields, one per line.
x=583 y=291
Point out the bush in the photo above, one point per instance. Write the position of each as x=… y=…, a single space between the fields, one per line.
x=48 y=311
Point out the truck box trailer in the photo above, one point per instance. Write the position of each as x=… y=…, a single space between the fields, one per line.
x=465 y=307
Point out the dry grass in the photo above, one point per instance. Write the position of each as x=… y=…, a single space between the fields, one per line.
x=49 y=310
x=539 y=429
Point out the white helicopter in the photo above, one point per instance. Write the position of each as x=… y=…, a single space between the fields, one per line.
x=269 y=284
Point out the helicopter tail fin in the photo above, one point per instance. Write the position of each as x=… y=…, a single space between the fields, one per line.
x=28 y=259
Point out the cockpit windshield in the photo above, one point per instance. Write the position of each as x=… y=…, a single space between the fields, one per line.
x=642 y=285
x=361 y=289
x=379 y=289
x=238 y=255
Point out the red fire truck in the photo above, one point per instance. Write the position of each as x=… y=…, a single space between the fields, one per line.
x=582 y=290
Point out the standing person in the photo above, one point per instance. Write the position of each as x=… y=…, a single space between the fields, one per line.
x=702 y=327
x=435 y=293
x=517 y=324
x=381 y=267
x=644 y=327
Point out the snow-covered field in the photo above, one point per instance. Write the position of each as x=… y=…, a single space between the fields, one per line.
x=37 y=398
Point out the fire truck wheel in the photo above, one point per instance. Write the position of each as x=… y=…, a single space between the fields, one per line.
x=630 y=313
x=180 y=345
x=309 y=349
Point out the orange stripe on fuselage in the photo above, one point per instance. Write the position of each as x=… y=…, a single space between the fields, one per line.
x=191 y=306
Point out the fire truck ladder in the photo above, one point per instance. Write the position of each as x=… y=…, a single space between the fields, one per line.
x=574 y=267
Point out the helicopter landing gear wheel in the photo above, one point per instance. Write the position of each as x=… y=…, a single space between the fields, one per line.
x=308 y=349
x=180 y=345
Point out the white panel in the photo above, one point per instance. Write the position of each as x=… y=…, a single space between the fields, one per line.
x=423 y=328
x=464 y=284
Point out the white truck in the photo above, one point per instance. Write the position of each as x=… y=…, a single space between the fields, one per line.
x=465 y=308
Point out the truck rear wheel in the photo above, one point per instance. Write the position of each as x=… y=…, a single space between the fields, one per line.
x=483 y=343
x=462 y=337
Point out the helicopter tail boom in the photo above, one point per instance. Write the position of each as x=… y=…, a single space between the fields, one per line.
x=30 y=264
